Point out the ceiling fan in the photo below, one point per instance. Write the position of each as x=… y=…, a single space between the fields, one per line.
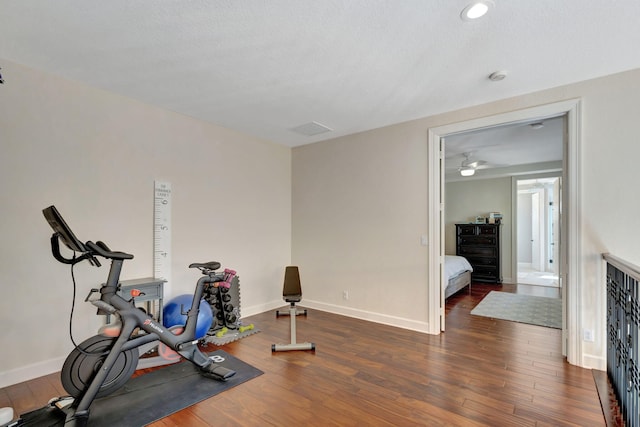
x=468 y=167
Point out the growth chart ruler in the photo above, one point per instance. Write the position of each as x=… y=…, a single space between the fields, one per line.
x=162 y=233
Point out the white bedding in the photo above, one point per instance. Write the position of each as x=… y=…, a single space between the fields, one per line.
x=454 y=265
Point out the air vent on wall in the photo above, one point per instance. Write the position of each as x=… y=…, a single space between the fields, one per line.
x=311 y=129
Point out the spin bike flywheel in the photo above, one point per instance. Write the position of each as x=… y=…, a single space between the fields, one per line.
x=83 y=362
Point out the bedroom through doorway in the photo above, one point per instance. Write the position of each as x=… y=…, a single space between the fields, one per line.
x=569 y=114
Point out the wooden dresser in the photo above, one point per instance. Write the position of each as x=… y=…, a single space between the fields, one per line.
x=480 y=245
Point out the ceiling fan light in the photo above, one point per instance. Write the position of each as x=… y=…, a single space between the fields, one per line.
x=476 y=10
x=467 y=172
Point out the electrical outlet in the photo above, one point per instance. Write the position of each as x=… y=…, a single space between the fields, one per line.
x=345 y=295
x=588 y=335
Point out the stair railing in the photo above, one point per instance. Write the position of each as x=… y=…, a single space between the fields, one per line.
x=623 y=336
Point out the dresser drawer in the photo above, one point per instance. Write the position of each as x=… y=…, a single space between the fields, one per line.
x=484 y=271
x=477 y=251
x=467 y=230
x=487 y=240
x=487 y=229
x=482 y=261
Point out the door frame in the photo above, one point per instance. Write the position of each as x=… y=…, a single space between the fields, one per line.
x=514 y=223
x=572 y=264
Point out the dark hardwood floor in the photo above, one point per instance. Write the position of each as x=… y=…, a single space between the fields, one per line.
x=480 y=372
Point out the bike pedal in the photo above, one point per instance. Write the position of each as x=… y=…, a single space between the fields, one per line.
x=61 y=402
x=217 y=372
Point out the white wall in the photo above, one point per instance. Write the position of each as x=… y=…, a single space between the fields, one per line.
x=95 y=155
x=360 y=206
x=359 y=209
x=465 y=200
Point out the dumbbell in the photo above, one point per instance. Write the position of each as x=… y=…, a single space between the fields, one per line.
x=245 y=328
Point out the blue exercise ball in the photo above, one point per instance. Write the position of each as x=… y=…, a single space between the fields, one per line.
x=172 y=314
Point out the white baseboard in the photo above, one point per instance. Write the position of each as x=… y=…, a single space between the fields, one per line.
x=257 y=309
x=399 y=322
x=30 y=372
x=590 y=361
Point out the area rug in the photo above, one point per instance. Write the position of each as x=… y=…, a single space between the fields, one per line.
x=160 y=393
x=529 y=309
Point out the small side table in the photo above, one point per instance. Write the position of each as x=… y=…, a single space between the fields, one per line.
x=150 y=291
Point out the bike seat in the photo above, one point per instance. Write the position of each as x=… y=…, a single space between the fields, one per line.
x=211 y=265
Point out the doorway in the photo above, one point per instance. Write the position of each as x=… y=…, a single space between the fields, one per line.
x=537 y=225
x=570 y=231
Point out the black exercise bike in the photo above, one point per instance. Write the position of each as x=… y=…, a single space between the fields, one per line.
x=101 y=364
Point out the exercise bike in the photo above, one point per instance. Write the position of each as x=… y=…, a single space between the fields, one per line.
x=102 y=364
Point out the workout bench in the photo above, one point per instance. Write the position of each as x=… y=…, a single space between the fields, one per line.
x=292 y=293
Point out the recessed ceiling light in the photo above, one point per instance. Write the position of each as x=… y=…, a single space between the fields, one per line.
x=476 y=10
x=496 y=76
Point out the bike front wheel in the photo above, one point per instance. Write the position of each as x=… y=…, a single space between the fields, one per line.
x=86 y=360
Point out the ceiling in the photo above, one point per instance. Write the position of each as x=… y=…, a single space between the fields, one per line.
x=265 y=67
x=533 y=146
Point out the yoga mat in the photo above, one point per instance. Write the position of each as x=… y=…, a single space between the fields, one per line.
x=155 y=395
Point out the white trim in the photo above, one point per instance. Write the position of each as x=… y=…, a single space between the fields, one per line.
x=572 y=289
x=261 y=308
x=590 y=361
x=398 y=322
x=514 y=219
x=433 y=230
x=572 y=109
x=30 y=372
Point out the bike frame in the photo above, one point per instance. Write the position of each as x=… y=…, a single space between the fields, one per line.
x=132 y=317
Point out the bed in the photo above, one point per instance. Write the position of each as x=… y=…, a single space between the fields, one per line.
x=458 y=273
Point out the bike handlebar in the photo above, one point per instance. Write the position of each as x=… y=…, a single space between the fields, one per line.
x=98 y=248
x=55 y=249
x=101 y=249
x=88 y=250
